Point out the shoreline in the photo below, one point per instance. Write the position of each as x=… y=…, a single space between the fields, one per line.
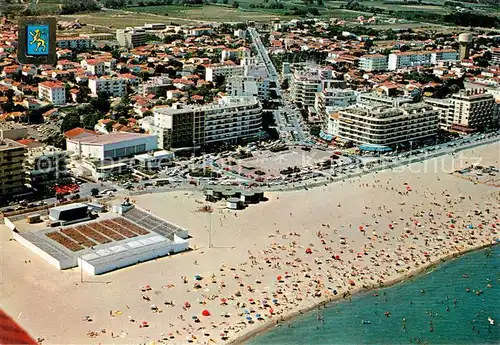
x=413 y=274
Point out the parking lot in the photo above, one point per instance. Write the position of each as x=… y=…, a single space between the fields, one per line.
x=273 y=162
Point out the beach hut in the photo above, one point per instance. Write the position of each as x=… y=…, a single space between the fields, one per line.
x=259 y=195
x=233 y=203
x=249 y=197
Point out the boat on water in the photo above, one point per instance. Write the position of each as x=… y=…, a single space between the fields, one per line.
x=366 y=322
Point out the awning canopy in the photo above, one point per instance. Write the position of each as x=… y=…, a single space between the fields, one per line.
x=374 y=148
x=325 y=136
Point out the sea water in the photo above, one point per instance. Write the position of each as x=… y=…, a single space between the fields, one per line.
x=449 y=305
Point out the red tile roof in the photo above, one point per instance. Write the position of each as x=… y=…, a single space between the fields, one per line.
x=78 y=131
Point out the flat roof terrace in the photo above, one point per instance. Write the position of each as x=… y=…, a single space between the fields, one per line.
x=102 y=245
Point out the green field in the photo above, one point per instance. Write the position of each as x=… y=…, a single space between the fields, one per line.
x=247 y=10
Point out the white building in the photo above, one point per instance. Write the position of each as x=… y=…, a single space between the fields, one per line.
x=329 y=99
x=445 y=109
x=373 y=99
x=466 y=111
x=388 y=126
x=154 y=160
x=94 y=66
x=373 y=62
x=114 y=86
x=200 y=31
x=306 y=83
x=444 y=55
x=74 y=42
x=229 y=120
x=474 y=109
x=52 y=91
x=409 y=59
x=111 y=146
x=248 y=86
x=226 y=70
x=131 y=37
x=495 y=56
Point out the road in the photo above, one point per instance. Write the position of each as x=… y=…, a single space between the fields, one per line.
x=85 y=190
x=288 y=120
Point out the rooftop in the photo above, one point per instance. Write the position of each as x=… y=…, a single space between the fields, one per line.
x=7 y=144
x=111 y=138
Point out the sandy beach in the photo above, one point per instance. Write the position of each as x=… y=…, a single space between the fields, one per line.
x=290 y=253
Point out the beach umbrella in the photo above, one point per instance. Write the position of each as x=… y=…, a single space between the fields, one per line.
x=278 y=278
x=308 y=251
x=361 y=228
x=223 y=301
x=246 y=311
x=205 y=313
x=194 y=317
x=452 y=226
x=408 y=188
x=249 y=318
x=470 y=226
x=197 y=277
x=275 y=301
x=258 y=316
x=187 y=304
x=251 y=300
x=337 y=257
x=351 y=282
x=390 y=226
x=271 y=311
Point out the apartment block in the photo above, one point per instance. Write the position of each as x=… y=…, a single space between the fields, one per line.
x=329 y=99
x=229 y=120
x=74 y=42
x=373 y=62
x=52 y=91
x=93 y=66
x=409 y=59
x=131 y=37
x=444 y=55
x=445 y=109
x=495 y=56
x=45 y=166
x=474 y=109
x=388 y=126
x=227 y=70
x=12 y=176
x=248 y=86
x=115 y=87
x=306 y=83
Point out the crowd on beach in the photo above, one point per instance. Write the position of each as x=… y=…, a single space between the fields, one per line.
x=294 y=273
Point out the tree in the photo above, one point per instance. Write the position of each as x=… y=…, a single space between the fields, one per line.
x=83 y=94
x=94 y=192
x=69 y=122
x=109 y=127
x=90 y=120
x=236 y=4
x=101 y=103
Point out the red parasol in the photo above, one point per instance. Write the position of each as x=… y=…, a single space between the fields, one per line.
x=205 y=313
